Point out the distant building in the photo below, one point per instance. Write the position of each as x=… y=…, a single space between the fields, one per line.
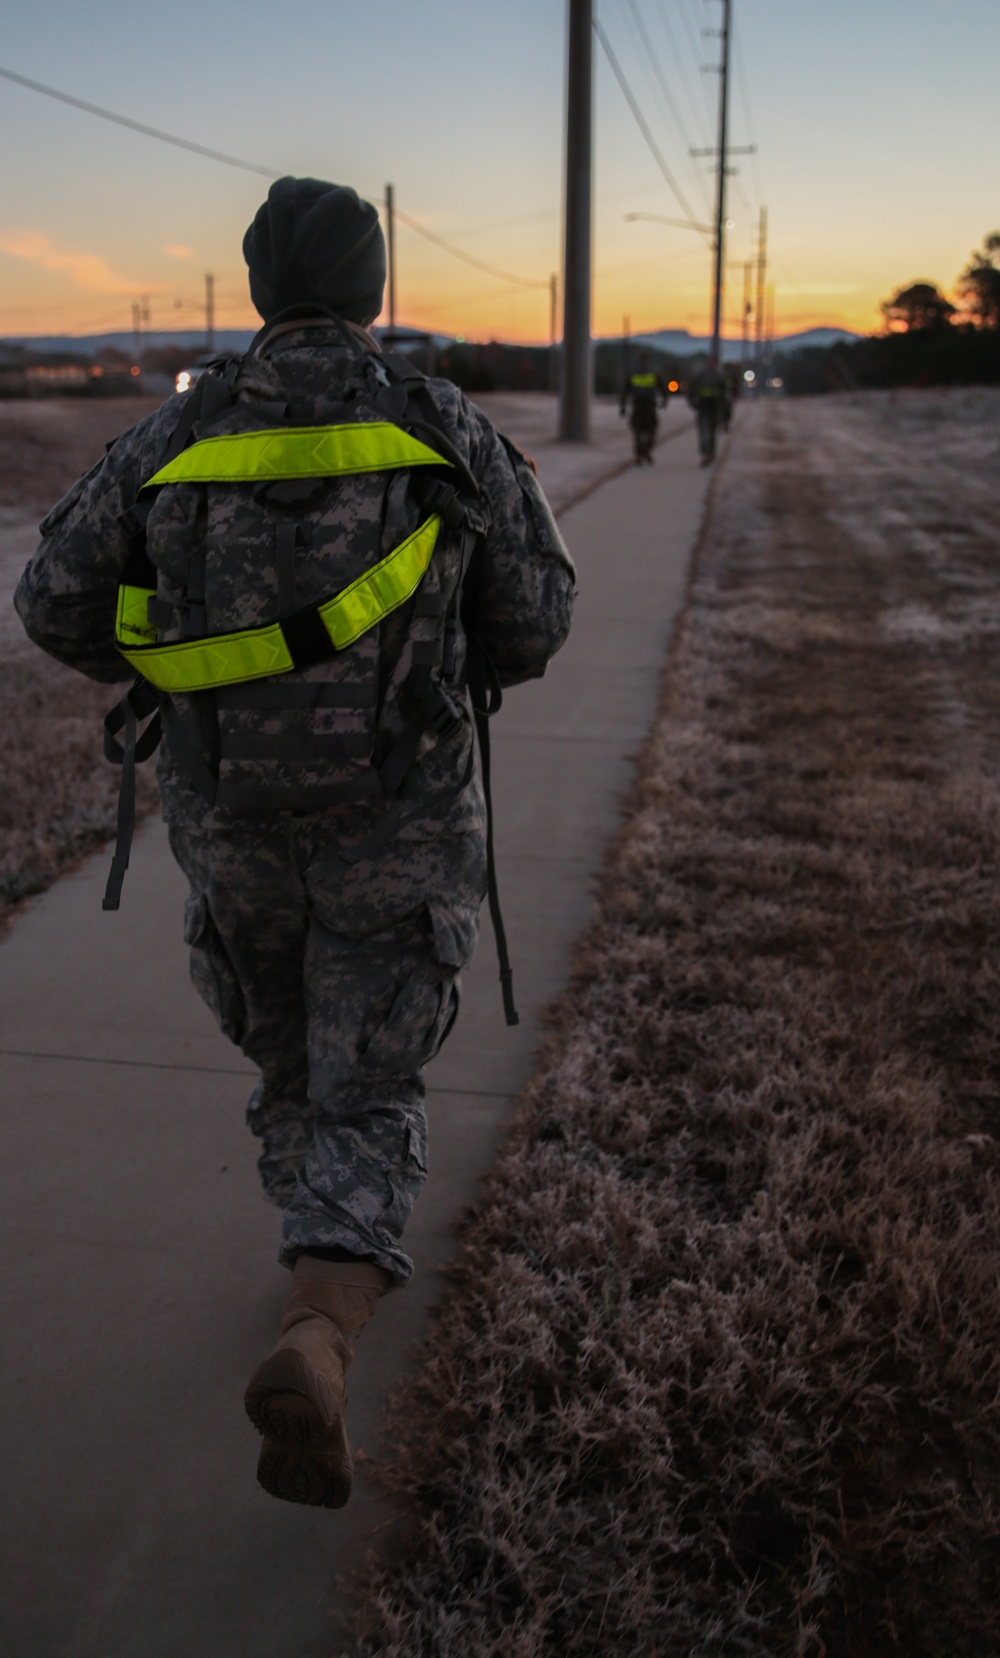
x=26 y=373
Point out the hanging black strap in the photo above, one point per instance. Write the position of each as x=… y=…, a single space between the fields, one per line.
x=484 y=688
x=136 y=705
x=481 y=676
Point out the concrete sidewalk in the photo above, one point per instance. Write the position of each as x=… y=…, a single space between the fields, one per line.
x=141 y=1285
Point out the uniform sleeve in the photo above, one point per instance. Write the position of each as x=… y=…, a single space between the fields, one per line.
x=67 y=596
x=520 y=597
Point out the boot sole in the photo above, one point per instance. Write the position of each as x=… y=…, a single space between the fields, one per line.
x=288 y=1401
x=295 y=1476
x=305 y=1457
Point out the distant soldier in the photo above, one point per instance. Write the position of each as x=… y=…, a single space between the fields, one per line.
x=648 y=393
x=709 y=398
x=734 y=385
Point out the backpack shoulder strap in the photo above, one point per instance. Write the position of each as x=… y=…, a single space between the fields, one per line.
x=210 y=397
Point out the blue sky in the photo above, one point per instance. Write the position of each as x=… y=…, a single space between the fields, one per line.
x=875 y=122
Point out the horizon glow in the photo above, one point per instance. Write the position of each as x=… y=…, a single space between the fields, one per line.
x=872 y=172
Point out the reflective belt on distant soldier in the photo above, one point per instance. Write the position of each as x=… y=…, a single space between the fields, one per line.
x=643 y=382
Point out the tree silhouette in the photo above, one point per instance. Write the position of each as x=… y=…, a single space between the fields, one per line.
x=978 y=286
x=918 y=307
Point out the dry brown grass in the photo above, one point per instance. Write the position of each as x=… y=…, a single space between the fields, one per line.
x=59 y=795
x=49 y=443
x=719 y=1374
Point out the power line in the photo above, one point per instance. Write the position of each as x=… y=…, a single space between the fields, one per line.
x=692 y=31
x=690 y=10
x=247 y=166
x=745 y=100
x=504 y=224
x=697 y=113
x=654 y=62
x=642 y=122
x=138 y=126
x=459 y=253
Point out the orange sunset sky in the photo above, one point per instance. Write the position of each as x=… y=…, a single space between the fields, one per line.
x=872 y=119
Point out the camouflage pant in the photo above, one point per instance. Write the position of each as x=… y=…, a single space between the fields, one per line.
x=708 y=420
x=340 y=988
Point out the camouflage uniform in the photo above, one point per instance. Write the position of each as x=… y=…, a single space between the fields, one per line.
x=709 y=398
x=648 y=392
x=333 y=964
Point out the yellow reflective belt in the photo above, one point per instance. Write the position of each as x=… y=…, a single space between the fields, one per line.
x=644 y=379
x=207 y=664
x=132 y=621
x=256 y=653
x=381 y=589
x=297 y=452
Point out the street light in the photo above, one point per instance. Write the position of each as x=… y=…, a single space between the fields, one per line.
x=681 y=224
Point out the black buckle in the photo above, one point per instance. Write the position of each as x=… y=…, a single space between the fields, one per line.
x=444 y=499
x=444 y=712
x=478 y=515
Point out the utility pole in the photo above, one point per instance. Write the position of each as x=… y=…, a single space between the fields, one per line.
x=626 y=332
x=553 y=316
x=722 y=153
x=770 y=325
x=747 y=268
x=209 y=312
x=137 y=331
x=574 y=407
x=761 y=277
x=720 y=191
x=390 y=229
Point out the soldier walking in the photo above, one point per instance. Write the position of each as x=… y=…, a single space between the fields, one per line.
x=647 y=392
x=709 y=398
x=322 y=568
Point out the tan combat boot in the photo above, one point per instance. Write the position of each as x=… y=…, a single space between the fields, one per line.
x=296 y=1398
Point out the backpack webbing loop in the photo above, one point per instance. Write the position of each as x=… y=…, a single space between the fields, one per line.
x=138 y=703
x=487 y=696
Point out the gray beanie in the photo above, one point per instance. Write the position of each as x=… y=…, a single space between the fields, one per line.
x=313 y=243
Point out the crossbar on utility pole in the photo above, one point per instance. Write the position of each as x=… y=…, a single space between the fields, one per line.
x=574 y=404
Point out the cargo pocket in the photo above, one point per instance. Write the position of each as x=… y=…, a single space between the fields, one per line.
x=212 y=972
x=416 y=1024
x=456 y=930
x=426 y=1005
x=416 y=1144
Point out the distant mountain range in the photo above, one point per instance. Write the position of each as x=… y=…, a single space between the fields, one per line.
x=193 y=340
x=682 y=344
x=675 y=340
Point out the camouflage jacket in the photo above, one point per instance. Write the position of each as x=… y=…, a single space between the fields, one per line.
x=519 y=603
